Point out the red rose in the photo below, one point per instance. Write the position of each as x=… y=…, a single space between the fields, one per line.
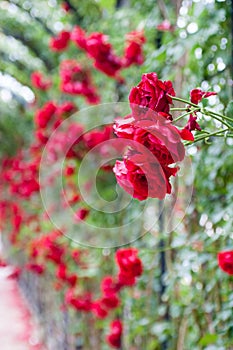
x=36 y=268
x=79 y=37
x=151 y=93
x=110 y=300
x=39 y=82
x=98 y=47
x=79 y=302
x=60 y=42
x=225 y=261
x=81 y=214
x=114 y=338
x=128 y=261
x=133 y=50
x=77 y=81
x=98 y=310
x=130 y=266
x=108 y=285
x=192 y=123
x=95 y=137
x=140 y=178
x=45 y=114
x=196 y=95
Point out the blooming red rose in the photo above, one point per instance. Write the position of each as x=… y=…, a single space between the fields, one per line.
x=196 y=95
x=144 y=171
x=114 y=338
x=141 y=179
x=39 y=82
x=225 y=261
x=60 y=42
x=151 y=93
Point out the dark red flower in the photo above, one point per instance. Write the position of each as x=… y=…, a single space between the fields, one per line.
x=63 y=275
x=114 y=338
x=130 y=265
x=151 y=93
x=110 y=300
x=144 y=171
x=60 y=42
x=225 y=261
x=78 y=35
x=36 y=268
x=54 y=252
x=108 y=285
x=81 y=214
x=76 y=80
x=133 y=51
x=99 y=310
x=98 y=47
x=192 y=123
x=79 y=302
x=140 y=178
x=66 y=109
x=65 y=6
x=69 y=170
x=39 y=82
x=185 y=134
x=45 y=114
x=196 y=95
x=95 y=137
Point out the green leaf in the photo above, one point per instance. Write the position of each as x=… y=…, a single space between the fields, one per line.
x=208 y=339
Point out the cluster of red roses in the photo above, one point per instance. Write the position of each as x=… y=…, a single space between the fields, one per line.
x=130 y=267
x=156 y=144
x=98 y=48
x=76 y=80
